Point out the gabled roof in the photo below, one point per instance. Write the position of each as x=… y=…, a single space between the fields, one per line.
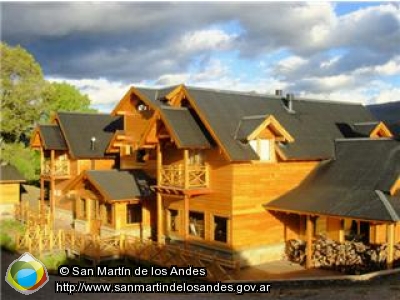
x=121 y=185
x=185 y=130
x=154 y=95
x=314 y=124
x=356 y=184
x=117 y=185
x=79 y=128
x=52 y=137
x=9 y=173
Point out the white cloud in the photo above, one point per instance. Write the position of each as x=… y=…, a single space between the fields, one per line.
x=208 y=39
x=171 y=79
x=389 y=95
x=290 y=63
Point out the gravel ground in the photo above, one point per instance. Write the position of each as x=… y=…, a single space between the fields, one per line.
x=387 y=288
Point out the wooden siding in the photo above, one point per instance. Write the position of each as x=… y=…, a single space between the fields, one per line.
x=96 y=164
x=9 y=193
x=217 y=203
x=378 y=233
x=255 y=184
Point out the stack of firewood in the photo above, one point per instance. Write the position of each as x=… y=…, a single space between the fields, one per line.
x=296 y=251
x=350 y=257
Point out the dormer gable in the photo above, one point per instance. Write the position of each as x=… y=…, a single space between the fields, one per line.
x=372 y=130
x=261 y=132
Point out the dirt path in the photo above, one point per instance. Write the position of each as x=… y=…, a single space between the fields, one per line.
x=384 y=288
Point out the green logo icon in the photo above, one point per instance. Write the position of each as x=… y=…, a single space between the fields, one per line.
x=27 y=274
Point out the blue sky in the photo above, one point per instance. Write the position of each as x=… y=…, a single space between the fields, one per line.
x=346 y=51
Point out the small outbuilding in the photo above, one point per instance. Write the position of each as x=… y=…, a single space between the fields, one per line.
x=10 y=189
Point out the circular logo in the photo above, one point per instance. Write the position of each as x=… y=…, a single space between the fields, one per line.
x=27 y=274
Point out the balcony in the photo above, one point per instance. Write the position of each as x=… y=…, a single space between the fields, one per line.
x=196 y=176
x=61 y=167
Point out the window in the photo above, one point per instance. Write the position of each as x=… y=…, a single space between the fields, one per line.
x=141 y=156
x=262 y=148
x=82 y=208
x=133 y=213
x=196 y=157
x=220 y=229
x=196 y=224
x=173 y=220
x=141 y=106
x=108 y=210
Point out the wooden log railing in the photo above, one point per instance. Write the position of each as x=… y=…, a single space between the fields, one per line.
x=32 y=217
x=174 y=175
x=40 y=242
x=61 y=167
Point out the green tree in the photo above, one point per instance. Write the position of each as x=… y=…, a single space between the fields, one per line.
x=21 y=87
x=27 y=99
x=64 y=97
x=25 y=159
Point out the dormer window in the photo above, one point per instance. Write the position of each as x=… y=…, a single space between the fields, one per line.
x=263 y=148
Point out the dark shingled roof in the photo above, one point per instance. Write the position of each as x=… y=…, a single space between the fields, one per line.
x=314 y=124
x=388 y=113
x=122 y=185
x=355 y=184
x=247 y=125
x=364 y=129
x=184 y=127
x=10 y=173
x=52 y=137
x=79 y=128
x=156 y=94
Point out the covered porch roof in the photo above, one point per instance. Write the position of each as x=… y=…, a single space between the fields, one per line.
x=115 y=185
x=357 y=184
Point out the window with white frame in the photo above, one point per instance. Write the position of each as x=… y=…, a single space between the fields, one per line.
x=263 y=148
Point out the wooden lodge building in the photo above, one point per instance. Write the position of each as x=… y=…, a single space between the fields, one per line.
x=234 y=173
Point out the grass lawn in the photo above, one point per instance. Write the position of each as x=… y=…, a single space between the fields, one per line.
x=8 y=229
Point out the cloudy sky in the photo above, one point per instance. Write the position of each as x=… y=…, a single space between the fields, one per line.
x=339 y=51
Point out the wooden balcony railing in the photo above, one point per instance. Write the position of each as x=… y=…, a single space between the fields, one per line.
x=174 y=176
x=61 y=167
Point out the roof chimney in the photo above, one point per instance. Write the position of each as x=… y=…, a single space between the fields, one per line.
x=289 y=102
x=92 y=143
x=278 y=93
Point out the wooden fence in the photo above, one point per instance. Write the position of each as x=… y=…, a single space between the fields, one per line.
x=32 y=218
x=39 y=241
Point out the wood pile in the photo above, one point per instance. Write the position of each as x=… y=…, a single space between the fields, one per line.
x=350 y=257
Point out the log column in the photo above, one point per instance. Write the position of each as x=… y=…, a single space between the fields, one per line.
x=309 y=235
x=52 y=187
x=160 y=233
x=341 y=232
x=390 y=232
x=186 y=197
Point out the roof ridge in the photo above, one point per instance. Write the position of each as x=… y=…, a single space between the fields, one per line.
x=168 y=107
x=366 y=123
x=273 y=96
x=359 y=139
x=393 y=214
x=253 y=117
x=83 y=113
